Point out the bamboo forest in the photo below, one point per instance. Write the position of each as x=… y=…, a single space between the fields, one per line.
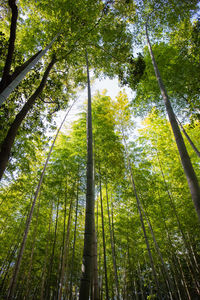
x=99 y=194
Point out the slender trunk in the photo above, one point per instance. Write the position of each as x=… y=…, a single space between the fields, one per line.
x=140 y=281
x=46 y=255
x=184 y=280
x=89 y=215
x=29 y=218
x=95 y=268
x=11 y=46
x=49 y=285
x=185 y=159
x=178 y=274
x=165 y=273
x=112 y=246
x=103 y=235
x=17 y=71
x=27 y=289
x=142 y=221
x=95 y=291
x=64 y=260
x=74 y=242
x=63 y=239
x=188 y=138
x=12 y=132
x=193 y=252
x=10 y=88
x=191 y=259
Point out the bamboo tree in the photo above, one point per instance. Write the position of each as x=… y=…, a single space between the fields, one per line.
x=185 y=159
x=103 y=236
x=112 y=245
x=89 y=215
x=46 y=254
x=29 y=218
x=11 y=46
x=10 y=88
x=141 y=220
x=8 y=142
x=74 y=240
x=51 y=261
x=66 y=245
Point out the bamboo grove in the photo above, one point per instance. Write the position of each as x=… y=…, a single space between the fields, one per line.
x=108 y=207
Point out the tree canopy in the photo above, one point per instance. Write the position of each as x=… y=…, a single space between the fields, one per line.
x=108 y=208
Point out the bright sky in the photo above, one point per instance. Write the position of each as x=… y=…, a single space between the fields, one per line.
x=112 y=87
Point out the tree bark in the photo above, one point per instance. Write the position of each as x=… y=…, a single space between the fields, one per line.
x=103 y=236
x=17 y=71
x=112 y=246
x=12 y=132
x=74 y=241
x=14 y=83
x=89 y=215
x=11 y=46
x=185 y=159
x=66 y=245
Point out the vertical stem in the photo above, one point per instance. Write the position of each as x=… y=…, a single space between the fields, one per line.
x=185 y=159
x=89 y=215
x=112 y=245
x=74 y=241
x=104 y=242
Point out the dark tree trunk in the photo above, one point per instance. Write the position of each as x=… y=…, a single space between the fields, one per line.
x=11 y=46
x=103 y=236
x=17 y=71
x=185 y=159
x=12 y=132
x=89 y=215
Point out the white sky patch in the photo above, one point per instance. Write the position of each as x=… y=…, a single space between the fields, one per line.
x=111 y=85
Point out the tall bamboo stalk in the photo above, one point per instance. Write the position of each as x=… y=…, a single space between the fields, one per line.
x=89 y=215
x=185 y=159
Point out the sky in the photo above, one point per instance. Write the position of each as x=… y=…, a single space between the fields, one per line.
x=111 y=85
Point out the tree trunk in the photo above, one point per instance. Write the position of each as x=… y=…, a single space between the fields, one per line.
x=103 y=236
x=95 y=267
x=188 y=138
x=193 y=265
x=74 y=242
x=46 y=255
x=12 y=132
x=10 y=88
x=112 y=246
x=66 y=245
x=27 y=284
x=17 y=71
x=142 y=221
x=29 y=218
x=49 y=285
x=11 y=46
x=185 y=159
x=89 y=216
